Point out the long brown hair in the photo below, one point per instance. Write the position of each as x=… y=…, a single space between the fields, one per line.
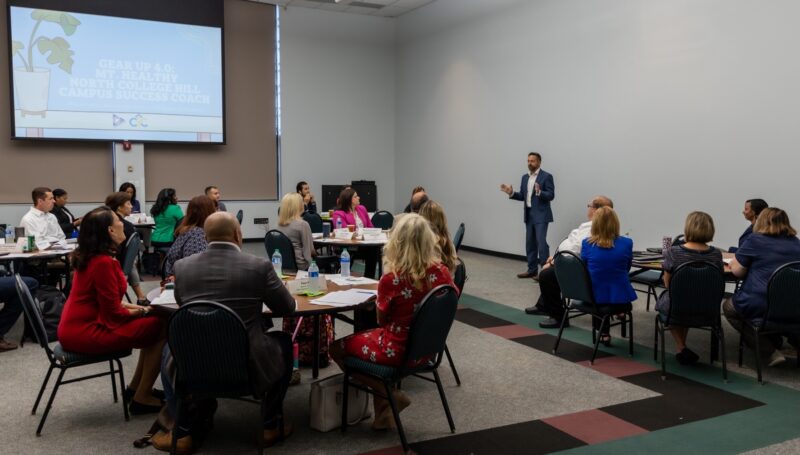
x=345 y=201
x=434 y=213
x=605 y=227
x=199 y=208
x=94 y=238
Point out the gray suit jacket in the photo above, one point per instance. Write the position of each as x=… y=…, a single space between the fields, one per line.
x=241 y=282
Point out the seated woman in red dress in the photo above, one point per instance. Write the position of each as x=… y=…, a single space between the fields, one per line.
x=96 y=321
x=412 y=268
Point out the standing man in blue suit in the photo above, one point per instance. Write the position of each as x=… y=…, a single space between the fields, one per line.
x=536 y=190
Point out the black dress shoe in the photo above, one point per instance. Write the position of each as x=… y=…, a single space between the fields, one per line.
x=137 y=408
x=535 y=310
x=552 y=323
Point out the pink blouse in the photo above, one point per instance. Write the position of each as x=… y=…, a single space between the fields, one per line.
x=348 y=218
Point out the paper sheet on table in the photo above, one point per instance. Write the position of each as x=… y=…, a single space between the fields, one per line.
x=352 y=280
x=345 y=298
x=167 y=297
x=727 y=260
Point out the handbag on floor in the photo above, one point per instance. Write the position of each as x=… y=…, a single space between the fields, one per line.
x=326 y=404
x=304 y=336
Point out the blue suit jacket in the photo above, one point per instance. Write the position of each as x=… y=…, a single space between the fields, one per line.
x=539 y=211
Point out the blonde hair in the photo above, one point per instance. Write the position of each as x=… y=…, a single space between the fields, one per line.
x=291 y=208
x=434 y=213
x=699 y=227
x=411 y=249
x=774 y=222
x=605 y=227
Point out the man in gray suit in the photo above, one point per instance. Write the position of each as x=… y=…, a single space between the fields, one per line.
x=242 y=282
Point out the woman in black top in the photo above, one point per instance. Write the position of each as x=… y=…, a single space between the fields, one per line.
x=698 y=231
x=120 y=203
x=65 y=218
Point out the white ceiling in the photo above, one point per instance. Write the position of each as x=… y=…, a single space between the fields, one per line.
x=385 y=8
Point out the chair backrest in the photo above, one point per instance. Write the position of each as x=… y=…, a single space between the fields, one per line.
x=240 y=216
x=210 y=346
x=277 y=240
x=783 y=295
x=314 y=221
x=431 y=325
x=383 y=220
x=696 y=290
x=33 y=313
x=131 y=252
x=572 y=276
x=459 y=236
x=460 y=275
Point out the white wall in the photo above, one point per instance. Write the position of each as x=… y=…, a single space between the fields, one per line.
x=338 y=105
x=338 y=78
x=666 y=107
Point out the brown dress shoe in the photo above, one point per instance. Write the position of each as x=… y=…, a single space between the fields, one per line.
x=6 y=345
x=163 y=441
x=273 y=435
x=526 y=275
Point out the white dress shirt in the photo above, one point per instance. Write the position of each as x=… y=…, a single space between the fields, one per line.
x=531 y=182
x=44 y=226
x=575 y=238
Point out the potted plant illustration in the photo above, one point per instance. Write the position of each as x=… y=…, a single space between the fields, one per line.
x=32 y=83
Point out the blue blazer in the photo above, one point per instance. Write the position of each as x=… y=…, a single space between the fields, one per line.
x=539 y=211
x=608 y=268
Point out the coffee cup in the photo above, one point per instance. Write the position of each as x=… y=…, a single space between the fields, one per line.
x=351 y=227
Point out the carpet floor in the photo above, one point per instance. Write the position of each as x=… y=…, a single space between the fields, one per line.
x=515 y=397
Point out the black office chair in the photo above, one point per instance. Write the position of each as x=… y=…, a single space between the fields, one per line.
x=695 y=291
x=277 y=240
x=131 y=253
x=783 y=310
x=459 y=278
x=314 y=221
x=383 y=220
x=426 y=342
x=576 y=286
x=240 y=216
x=459 y=236
x=64 y=360
x=653 y=279
x=210 y=346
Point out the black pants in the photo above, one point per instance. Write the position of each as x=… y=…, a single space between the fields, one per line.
x=550 y=294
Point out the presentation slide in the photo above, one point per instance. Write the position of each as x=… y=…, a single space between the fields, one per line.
x=84 y=76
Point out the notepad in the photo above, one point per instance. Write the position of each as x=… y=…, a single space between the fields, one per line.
x=350 y=297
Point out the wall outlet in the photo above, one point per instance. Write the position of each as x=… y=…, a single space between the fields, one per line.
x=260 y=220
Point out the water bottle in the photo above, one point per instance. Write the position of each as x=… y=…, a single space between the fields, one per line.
x=9 y=234
x=277 y=261
x=344 y=261
x=313 y=277
x=338 y=223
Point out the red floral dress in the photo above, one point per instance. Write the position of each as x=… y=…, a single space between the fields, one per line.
x=398 y=299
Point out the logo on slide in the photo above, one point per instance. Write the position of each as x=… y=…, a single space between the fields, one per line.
x=138 y=121
x=117 y=120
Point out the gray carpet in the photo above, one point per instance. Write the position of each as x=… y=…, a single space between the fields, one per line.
x=503 y=383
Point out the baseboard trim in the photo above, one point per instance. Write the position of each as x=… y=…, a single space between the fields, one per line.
x=517 y=257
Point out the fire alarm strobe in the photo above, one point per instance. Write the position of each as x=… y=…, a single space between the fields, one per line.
x=126 y=145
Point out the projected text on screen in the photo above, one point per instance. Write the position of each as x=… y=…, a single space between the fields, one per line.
x=83 y=76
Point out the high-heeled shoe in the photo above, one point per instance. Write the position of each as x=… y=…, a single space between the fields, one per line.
x=137 y=408
x=128 y=394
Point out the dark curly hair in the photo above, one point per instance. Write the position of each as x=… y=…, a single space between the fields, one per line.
x=94 y=238
x=166 y=197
